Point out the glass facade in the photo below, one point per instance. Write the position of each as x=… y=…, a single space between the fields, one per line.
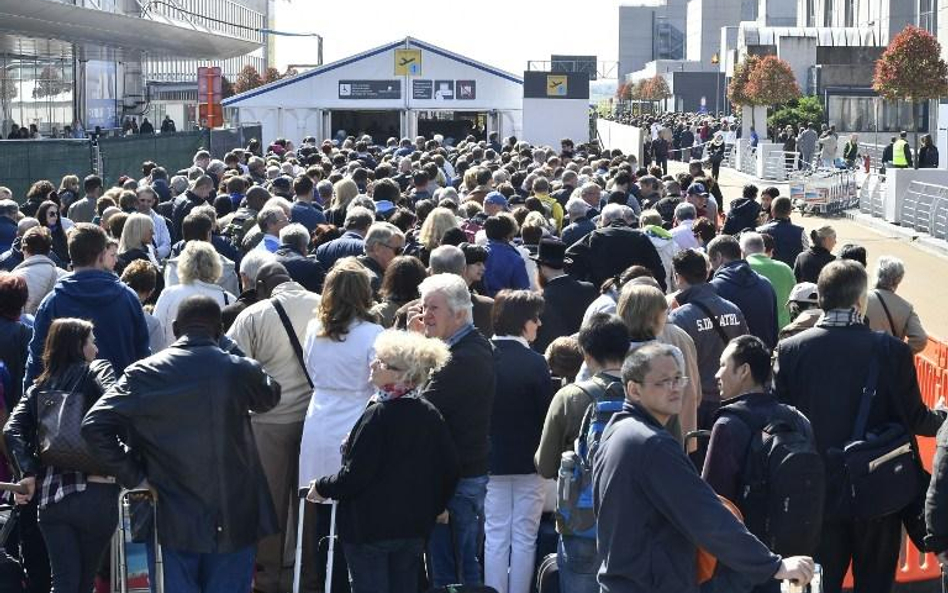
x=36 y=91
x=851 y=112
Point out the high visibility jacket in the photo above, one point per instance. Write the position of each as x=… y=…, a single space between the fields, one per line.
x=898 y=154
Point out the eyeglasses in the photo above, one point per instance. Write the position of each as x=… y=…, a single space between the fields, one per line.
x=396 y=250
x=385 y=366
x=667 y=384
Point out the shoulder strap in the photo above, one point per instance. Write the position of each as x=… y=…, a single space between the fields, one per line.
x=294 y=341
x=888 y=315
x=714 y=321
x=869 y=391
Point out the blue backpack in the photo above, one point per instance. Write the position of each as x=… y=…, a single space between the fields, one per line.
x=575 y=514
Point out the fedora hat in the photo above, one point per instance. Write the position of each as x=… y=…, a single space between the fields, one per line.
x=552 y=253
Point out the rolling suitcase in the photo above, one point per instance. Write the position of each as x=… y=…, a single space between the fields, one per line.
x=131 y=564
x=330 y=557
x=548 y=575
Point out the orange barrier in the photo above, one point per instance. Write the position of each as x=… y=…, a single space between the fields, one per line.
x=931 y=367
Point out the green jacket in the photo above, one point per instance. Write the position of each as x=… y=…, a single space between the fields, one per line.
x=781 y=278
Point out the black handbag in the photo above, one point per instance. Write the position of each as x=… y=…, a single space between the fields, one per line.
x=59 y=418
x=881 y=465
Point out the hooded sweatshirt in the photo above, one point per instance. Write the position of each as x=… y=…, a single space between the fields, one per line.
x=754 y=296
x=743 y=215
x=121 y=332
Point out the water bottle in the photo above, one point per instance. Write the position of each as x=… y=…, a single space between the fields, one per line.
x=564 y=482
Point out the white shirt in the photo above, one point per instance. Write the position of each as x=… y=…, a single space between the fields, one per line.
x=684 y=236
x=166 y=308
x=162 y=238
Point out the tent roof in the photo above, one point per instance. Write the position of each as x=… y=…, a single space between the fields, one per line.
x=408 y=41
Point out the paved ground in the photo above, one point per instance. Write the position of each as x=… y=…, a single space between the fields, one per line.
x=926 y=270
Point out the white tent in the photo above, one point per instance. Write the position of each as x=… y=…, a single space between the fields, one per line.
x=400 y=89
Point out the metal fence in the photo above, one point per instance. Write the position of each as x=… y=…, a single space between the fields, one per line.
x=871 y=194
x=925 y=209
x=779 y=165
x=225 y=140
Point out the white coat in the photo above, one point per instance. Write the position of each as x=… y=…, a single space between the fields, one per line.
x=341 y=390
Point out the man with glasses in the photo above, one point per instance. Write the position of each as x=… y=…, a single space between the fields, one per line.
x=271 y=220
x=653 y=508
x=144 y=203
x=383 y=243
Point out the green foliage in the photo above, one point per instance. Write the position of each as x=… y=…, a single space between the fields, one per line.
x=796 y=113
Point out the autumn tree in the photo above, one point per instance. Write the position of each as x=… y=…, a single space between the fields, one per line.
x=656 y=89
x=248 y=79
x=271 y=74
x=737 y=89
x=911 y=69
x=227 y=88
x=771 y=83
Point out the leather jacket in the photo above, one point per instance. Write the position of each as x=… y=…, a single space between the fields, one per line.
x=183 y=415
x=92 y=379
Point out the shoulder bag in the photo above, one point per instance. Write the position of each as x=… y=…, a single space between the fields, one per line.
x=888 y=315
x=59 y=417
x=714 y=321
x=294 y=341
x=881 y=465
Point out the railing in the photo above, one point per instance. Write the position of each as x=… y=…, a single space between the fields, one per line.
x=871 y=195
x=779 y=164
x=925 y=209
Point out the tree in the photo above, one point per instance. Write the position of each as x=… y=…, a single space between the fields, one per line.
x=656 y=89
x=737 y=89
x=771 y=83
x=290 y=72
x=248 y=79
x=911 y=69
x=796 y=113
x=271 y=74
x=8 y=86
x=227 y=88
x=49 y=83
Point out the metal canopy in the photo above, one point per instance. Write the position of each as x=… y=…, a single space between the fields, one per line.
x=43 y=27
x=753 y=34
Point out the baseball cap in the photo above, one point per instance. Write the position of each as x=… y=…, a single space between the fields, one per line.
x=697 y=189
x=495 y=198
x=804 y=292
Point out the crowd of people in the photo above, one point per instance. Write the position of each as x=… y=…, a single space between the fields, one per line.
x=419 y=338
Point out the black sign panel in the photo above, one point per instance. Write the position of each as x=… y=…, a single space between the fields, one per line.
x=370 y=89
x=563 y=64
x=467 y=90
x=553 y=85
x=422 y=89
x=444 y=90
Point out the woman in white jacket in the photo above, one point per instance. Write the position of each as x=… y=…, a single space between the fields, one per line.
x=198 y=269
x=39 y=271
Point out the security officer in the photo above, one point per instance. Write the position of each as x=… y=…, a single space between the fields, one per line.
x=901 y=153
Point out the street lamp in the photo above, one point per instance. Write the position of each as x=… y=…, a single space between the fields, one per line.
x=715 y=60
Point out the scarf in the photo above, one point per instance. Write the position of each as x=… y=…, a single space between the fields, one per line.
x=393 y=391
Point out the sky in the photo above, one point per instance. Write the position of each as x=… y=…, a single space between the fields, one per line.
x=501 y=33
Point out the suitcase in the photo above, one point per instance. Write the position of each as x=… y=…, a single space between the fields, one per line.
x=548 y=575
x=124 y=558
x=330 y=557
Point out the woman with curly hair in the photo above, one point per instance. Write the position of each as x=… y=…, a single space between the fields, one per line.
x=399 y=468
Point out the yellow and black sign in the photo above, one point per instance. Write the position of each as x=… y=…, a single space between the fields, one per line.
x=407 y=62
x=556 y=85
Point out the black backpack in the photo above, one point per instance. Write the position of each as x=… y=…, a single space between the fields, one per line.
x=784 y=483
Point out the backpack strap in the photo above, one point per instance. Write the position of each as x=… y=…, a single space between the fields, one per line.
x=714 y=321
x=294 y=341
x=601 y=390
x=869 y=391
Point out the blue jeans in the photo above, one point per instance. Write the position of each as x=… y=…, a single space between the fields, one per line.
x=390 y=566
x=578 y=563
x=460 y=538
x=190 y=572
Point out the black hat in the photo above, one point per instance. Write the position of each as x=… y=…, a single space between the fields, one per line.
x=552 y=253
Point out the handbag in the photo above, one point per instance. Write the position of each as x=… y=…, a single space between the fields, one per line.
x=59 y=418
x=881 y=465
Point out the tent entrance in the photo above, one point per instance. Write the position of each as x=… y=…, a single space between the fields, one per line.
x=381 y=125
x=453 y=124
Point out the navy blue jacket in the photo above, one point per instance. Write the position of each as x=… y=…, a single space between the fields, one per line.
x=349 y=244
x=305 y=270
x=308 y=215
x=7 y=233
x=653 y=510
x=788 y=239
x=121 y=332
x=754 y=296
x=524 y=392
x=577 y=229
x=742 y=215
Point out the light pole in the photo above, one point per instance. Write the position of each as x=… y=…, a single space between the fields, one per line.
x=717 y=84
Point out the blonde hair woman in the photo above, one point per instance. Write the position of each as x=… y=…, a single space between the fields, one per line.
x=343 y=192
x=400 y=467
x=337 y=350
x=136 y=243
x=199 y=268
x=439 y=222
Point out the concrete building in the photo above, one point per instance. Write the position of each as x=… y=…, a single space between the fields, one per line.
x=650 y=32
x=89 y=61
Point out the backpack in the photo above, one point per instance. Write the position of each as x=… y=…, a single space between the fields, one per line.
x=574 y=498
x=241 y=222
x=784 y=482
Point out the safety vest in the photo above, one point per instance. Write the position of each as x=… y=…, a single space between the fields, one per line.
x=898 y=153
